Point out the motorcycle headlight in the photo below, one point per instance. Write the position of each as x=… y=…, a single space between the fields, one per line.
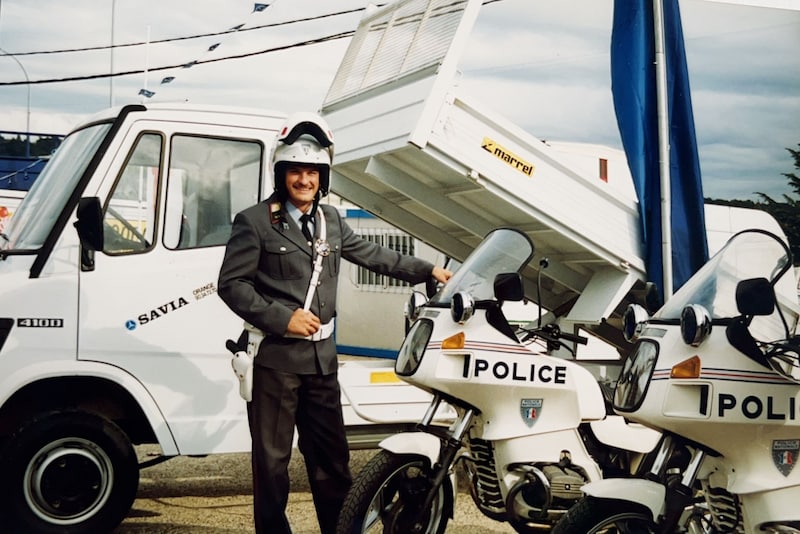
x=413 y=348
x=633 y=321
x=462 y=307
x=695 y=324
x=635 y=376
x=414 y=305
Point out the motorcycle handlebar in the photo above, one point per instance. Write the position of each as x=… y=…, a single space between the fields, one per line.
x=574 y=338
x=553 y=333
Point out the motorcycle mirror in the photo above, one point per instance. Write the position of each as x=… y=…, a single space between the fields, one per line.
x=755 y=296
x=508 y=287
x=431 y=287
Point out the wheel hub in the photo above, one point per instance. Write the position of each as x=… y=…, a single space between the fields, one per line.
x=67 y=481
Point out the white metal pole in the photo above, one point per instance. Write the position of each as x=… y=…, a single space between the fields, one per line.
x=111 y=58
x=28 y=110
x=663 y=144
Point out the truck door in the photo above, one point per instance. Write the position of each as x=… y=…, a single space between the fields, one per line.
x=149 y=305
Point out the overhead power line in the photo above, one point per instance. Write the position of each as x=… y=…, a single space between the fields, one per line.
x=325 y=39
x=186 y=37
x=235 y=29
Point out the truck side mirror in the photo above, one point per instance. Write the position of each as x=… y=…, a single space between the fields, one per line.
x=508 y=287
x=90 y=223
x=755 y=296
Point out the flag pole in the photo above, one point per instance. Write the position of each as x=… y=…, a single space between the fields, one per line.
x=663 y=144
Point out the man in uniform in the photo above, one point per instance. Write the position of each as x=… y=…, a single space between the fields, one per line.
x=266 y=279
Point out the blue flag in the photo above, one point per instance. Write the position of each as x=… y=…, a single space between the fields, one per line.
x=633 y=84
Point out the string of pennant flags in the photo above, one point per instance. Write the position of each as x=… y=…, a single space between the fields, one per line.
x=168 y=79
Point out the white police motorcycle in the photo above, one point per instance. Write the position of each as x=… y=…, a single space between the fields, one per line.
x=716 y=370
x=530 y=429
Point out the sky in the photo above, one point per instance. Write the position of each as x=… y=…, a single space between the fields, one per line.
x=542 y=63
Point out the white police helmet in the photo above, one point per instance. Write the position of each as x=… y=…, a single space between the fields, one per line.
x=304 y=138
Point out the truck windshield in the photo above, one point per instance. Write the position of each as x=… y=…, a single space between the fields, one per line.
x=31 y=223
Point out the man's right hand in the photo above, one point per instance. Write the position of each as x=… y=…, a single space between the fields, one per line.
x=303 y=323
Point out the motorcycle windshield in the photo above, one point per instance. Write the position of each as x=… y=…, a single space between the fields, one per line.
x=36 y=215
x=504 y=250
x=748 y=254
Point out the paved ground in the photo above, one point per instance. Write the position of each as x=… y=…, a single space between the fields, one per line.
x=213 y=495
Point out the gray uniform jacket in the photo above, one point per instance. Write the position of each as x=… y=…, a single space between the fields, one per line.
x=266 y=271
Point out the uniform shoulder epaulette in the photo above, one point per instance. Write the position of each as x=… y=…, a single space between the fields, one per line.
x=275 y=214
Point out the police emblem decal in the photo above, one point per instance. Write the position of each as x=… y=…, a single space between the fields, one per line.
x=530 y=410
x=784 y=454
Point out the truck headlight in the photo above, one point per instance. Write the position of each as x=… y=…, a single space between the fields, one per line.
x=413 y=348
x=635 y=376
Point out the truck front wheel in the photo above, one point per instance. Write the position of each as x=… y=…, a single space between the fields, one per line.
x=68 y=472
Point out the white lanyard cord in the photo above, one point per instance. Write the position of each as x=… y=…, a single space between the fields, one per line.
x=312 y=285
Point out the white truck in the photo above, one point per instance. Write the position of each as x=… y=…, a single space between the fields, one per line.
x=111 y=334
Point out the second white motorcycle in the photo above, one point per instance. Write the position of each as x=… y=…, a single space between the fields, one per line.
x=530 y=428
x=717 y=370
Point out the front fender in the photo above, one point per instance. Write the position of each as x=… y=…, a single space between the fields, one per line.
x=644 y=492
x=413 y=443
x=421 y=444
x=55 y=369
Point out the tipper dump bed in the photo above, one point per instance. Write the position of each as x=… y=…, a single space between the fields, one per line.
x=413 y=150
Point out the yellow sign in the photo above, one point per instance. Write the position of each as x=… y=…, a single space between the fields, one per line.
x=525 y=167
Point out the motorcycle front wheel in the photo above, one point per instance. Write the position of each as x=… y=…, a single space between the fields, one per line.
x=605 y=516
x=388 y=496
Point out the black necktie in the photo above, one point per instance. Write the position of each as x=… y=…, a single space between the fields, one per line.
x=304 y=219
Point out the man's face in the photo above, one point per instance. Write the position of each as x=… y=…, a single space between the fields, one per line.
x=302 y=183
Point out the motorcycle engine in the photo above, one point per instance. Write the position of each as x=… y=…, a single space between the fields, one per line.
x=565 y=483
x=545 y=491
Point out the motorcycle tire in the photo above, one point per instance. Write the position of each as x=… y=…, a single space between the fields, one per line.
x=605 y=516
x=388 y=493
x=67 y=472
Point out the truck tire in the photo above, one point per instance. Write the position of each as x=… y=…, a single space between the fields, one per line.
x=607 y=516
x=68 y=472
x=388 y=492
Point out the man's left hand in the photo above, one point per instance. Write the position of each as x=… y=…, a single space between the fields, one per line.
x=441 y=274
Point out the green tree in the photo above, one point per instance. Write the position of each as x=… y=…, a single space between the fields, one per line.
x=787 y=213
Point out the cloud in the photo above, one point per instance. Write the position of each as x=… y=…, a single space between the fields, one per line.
x=543 y=64
x=547 y=67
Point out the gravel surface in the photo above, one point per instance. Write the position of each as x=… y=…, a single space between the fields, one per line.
x=213 y=495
